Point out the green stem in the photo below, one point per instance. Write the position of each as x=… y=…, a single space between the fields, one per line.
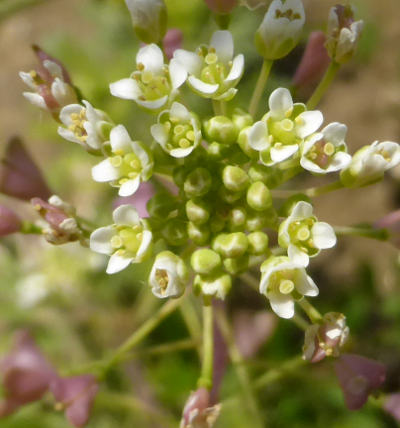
x=260 y=86
x=300 y=322
x=29 y=228
x=310 y=310
x=206 y=378
x=250 y=280
x=312 y=192
x=217 y=108
x=241 y=370
x=191 y=319
x=323 y=85
x=365 y=232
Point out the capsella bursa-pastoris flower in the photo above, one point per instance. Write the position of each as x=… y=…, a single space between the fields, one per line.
x=218 y=209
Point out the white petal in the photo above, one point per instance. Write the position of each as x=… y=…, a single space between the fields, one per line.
x=35 y=99
x=323 y=235
x=177 y=73
x=120 y=139
x=68 y=135
x=117 y=263
x=202 y=87
x=280 y=102
x=340 y=161
x=129 y=187
x=301 y=211
x=308 y=122
x=335 y=133
x=226 y=96
x=306 y=286
x=312 y=167
x=92 y=139
x=237 y=69
x=63 y=92
x=190 y=61
x=159 y=133
x=27 y=79
x=126 y=215
x=100 y=240
x=53 y=68
x=91 y=113
x=222 y=41
x=65 y=113
x=281 y=153
x=147 y=237
x=151 y=57
x=181 y=153
x=153 y=105
x=258 y=136
x=126 y=89
x=104 y=172
x=297 y=256
x=282 y=305
x=179 y=111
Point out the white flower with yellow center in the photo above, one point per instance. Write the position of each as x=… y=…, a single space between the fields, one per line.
x=283 y=129
x=303 y=235
x=127 y=241
x=283 y=282
x=370 y=163
x=213 y=72
x=177 y=131
x=129 y=164
x=326 y=151
x=154 y=82
x=85 y=125
x=168 y=276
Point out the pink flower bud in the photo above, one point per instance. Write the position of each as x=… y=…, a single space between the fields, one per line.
x=392 y=405
x=221 y=6
x=172 y=41
x=19 y=175
x=358 y=377
x=75 y=395
x=26 y=374
x=313 y=64
x=391 y=222
x=9 y=221
x=197 y=413
x=42 y=57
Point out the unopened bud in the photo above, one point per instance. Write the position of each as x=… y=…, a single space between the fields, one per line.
x=174 y=232
x=258 y=243
x=241 y=119
x=237 y=265
x=221 y=6
x=221 y=129
x=198 y=233
x=197 y=183
x=197 y=211
x=235 y=178
x=205 y=261
x=237 y=218
x=217 y=285
x=231 y=244
x=259 y=172
x=243 y=141
x=259 y=197
x=162 y=206
x=149 y=18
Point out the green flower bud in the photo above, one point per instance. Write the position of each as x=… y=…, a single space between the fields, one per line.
x=197 y=211
x=228 y=196
x=217 y=150
x=205 y=261
x=162 y=206
x=221 y=129
x=237 y=265
x=199 y=234
x=258 y=243
x=243 y=141
x=174 y=232
x=149 y=18
x=235 y=178
x=259 y=172
x=197 y=183
x=259 y=197
x=237 y=218
x=241 y=119
x=179 y=175
x=256 y=221
x=217 y=285
x=231 y=245
x=217 y=224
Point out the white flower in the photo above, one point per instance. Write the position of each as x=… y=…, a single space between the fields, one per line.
x=281 y=131
x=127 y=241
x=50 y=94
x=303 y=235
x=326 y=151
x=213 y=72
x=129 y=164
x=168 y=276
x=177 y=131
x=282 y=282
x=281 y=28
x=370 y=163
x=153 y=83
x=84 y=125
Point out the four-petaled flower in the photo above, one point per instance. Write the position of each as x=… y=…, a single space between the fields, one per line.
x=153 y=83
x=213 y=72
x=177 y=131
x=303 y=235
x=127 y=241
x=282 y=130
x=129 y=163
x=284 y=281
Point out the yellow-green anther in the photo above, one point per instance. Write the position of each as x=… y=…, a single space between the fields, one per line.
x=197 y=183
x=198 y=233
x=259 y=197
x=197 y=211
x=205 y=261
x=258 y=243
x=235 y=178
x=231 y=245
x=221 y=129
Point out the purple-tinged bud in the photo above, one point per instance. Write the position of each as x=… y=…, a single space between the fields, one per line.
x=392 y=405
x=26 y=374
x=9 y=221
x=313 y=64
x=391 y=222
x=172 y=41
x=325 y=339
x=42 y=57
x=221 y=7
x=197 y=412
x=75 y=395
x=358 y=377
x=19 y=175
